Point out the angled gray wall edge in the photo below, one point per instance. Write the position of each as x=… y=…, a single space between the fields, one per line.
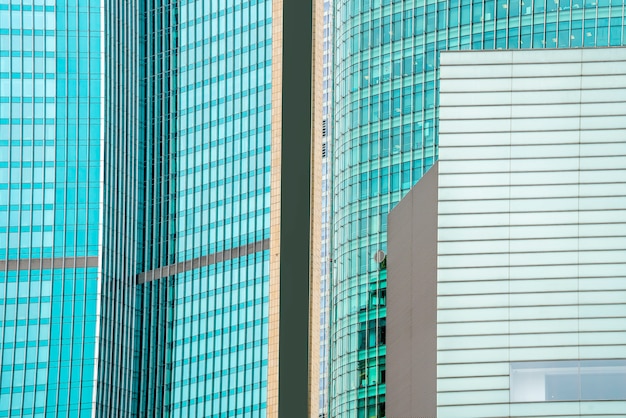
x=48 y=263
x=412 y=302
x=205 y=260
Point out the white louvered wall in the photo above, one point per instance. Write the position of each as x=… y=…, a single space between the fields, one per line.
x=531 y=229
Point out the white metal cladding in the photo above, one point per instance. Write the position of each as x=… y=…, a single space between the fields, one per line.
x=531 y=224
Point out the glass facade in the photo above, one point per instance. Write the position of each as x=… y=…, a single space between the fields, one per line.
x=120 y=170
x=207 y=173
x=385 y=137
x=135 y=159
x=221 y=183
x=51 y=130
x=203 y=332
x=204 y=341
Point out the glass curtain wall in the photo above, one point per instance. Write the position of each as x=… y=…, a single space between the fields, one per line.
x=157 y=173
x=158 y=37
x=220 y=312
x=204 y=330
x=51 y=132
x=120 y=170
x=385 y=138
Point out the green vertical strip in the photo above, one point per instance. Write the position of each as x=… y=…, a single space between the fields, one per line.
x=295 y=209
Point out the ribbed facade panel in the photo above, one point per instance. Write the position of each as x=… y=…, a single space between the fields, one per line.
x=531 y=272
x=119 y=206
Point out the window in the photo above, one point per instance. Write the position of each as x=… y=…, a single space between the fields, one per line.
x=369 y=336
x=586 y=380
x=377 y=297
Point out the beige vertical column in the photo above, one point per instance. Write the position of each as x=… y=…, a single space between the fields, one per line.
x=316 y=203
x=275 y=212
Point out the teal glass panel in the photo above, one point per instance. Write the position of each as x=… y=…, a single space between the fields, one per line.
x=50 y=184
x=48 y=341
x=164 y=160
x=205 y=190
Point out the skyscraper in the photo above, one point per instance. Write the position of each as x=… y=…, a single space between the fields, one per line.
x=385 y=137
x=159 y=182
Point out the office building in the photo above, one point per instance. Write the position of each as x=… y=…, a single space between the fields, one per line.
x=159 y=248
x=385 y=138
x=529 y=203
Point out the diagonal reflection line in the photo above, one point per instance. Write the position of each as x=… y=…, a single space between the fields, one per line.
x=202 y=261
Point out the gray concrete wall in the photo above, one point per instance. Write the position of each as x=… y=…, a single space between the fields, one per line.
x=412 y=303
